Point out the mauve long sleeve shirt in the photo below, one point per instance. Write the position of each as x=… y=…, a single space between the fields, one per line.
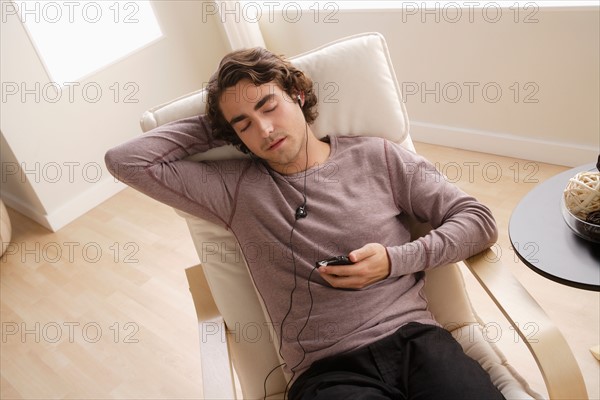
x=360 y=195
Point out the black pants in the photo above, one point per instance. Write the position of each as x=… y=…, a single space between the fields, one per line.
x=416 y=362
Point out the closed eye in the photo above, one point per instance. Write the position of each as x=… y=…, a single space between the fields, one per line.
x=268 y=110
x=246 y=127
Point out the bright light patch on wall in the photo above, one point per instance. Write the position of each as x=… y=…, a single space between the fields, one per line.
x=76 y=38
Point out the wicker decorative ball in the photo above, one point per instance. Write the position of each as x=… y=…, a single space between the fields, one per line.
x=582 y=194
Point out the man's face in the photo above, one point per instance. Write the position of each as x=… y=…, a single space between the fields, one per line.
x=268 y=121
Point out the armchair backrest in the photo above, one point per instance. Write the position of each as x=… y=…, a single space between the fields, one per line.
x=358 y=95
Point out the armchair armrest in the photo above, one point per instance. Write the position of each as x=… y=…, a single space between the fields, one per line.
x=217 y=374
x=549 y=348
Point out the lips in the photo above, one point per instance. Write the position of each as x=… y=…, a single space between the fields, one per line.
x=276 y=144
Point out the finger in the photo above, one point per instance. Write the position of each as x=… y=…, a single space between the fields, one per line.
x=333 y=280
x=360 y=254
x=337 y=270
x=343 y=282
x=351 y=277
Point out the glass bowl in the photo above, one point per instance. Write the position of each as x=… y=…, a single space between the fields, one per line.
x=580 y=227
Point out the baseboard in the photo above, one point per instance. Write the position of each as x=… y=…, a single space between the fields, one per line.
x=546 y=151
x=69 y=211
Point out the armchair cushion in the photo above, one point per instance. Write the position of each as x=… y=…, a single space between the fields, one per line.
x=369 y=106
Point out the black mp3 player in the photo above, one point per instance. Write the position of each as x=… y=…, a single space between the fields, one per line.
x=337 y=260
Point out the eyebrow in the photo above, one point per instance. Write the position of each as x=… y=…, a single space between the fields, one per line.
x=257 y=106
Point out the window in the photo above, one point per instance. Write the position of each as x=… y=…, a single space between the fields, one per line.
x=76 y=38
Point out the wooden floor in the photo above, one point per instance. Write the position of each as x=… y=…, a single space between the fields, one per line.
x=101 y=310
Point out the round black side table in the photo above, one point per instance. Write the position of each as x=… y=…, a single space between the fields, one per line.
x=546 y=244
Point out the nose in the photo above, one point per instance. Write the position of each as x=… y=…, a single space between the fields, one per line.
x=265 y=127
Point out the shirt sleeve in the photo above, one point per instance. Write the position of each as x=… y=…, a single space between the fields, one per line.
x=462 y=226
x=157 y=165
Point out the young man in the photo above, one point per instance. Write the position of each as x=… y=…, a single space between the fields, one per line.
x=348 y=331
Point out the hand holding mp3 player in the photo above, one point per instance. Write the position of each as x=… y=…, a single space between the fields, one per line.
x=371 y=265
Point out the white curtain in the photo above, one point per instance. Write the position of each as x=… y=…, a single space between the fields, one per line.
x=240 y=23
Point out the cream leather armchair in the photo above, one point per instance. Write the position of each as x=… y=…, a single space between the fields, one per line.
x=358 y=95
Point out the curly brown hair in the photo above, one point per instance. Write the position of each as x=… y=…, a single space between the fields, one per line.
x=259 y=66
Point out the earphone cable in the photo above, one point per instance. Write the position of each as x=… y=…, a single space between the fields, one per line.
x=306 y=165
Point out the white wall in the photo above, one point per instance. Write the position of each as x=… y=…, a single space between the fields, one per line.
x=53 y=151
x=553 y=58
